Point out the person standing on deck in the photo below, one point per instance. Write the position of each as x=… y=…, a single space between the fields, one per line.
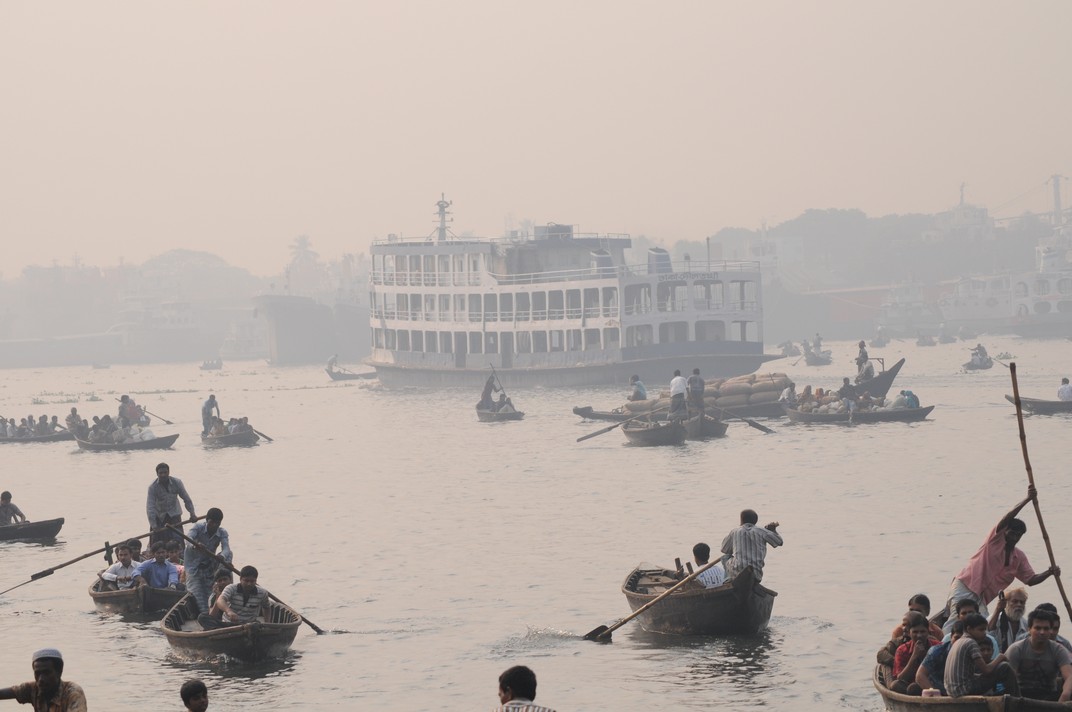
x=206 y=413
x=48 y=692
x=200 y=563
x=162 y=504
x=1065 y=391
x=998 y=562
x=333 y=361
x=695 y=387
x=818 y=343
x=747 y=545
x=862 y=358
x=678 y=387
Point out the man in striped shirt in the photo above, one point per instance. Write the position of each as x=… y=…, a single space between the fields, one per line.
x=239 y=603
x=747 y=545
x=966 y=673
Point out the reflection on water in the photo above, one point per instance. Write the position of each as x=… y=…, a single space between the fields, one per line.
x=225 y=668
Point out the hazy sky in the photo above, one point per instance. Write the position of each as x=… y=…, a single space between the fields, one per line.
x=132 y=128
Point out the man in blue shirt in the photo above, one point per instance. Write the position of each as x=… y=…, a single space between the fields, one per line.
x=201 y=564
x=158 y=572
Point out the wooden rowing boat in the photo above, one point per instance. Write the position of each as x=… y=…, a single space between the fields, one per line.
x=896 y=702
x=56 y=437
x=905 y=415
x=973 y=366
x=154 y=444
x=498 y=416
x=1038 y=406
x=823 y=358
x=243 y=439
x=702 y=427
x=757 y=410
x=134 y=600
x=348 y=375
x=31 y=531
x=648 y=433
x=269 y=638
x=742 y=605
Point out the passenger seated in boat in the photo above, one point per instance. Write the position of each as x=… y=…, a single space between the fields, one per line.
x=921 y=604
x=639 y=391
x=174 y=555
x=931 y=673
x=239 y=603
x=886 y=653
x=1065 y=391
x=485 y=402
x=899 y=402
x=11 y=428
x=964 y=608
x=1055 y=629
x=218 y=427
x=909 y=655
x=505 y=405
x=194 y=695
x=847 y=393
x=9 y=511
x=1008 y=624
x=135 y=550
x=54 y=424
x=120 y=575
x=867 y=372
x=865 y=401
x=158 y=572
x=789 y=395
x=222 y=580
x=1039 y=662
x=712 y=577
x=42 y=426
x=967 y=673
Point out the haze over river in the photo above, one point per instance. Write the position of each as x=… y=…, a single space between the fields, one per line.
x=441 y=551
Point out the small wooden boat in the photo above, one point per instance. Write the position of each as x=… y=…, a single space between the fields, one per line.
x=1038 y=406
x=757 y=410
x=498 y=416
x=879 y=386
x=823 y=358
x=135 y=600
x=789 y=349
x=337 y=375
x=896 y=702
x=215 y=365
x=269 y=638
x=31 y=531
x=648 y=433
x=903 y=415
x=973 y=366
x=243 y=439
x=58 y=436
x=738 y=606
x=702 y=427
x=154 y=444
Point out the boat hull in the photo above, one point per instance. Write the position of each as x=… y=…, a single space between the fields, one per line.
x=1037 y=406
x=895 y=702
x=155 y=444
x=250 y=642
x=907 y=415
x=143 y=600
x=813 y=359
x=880 y=385
x=63 y=435
x=702 y=427
x=347 y=376
x=972 y=366
x=651 y=434
x=31 y=531
x=491 y=416
x=742 y=606
x=244 y=439
x=759 y=410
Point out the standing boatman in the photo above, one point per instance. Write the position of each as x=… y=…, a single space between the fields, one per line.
x=201 y=563
x=206 y=413
x=162 y=504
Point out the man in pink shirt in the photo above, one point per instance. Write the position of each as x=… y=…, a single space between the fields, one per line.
x=997 y=562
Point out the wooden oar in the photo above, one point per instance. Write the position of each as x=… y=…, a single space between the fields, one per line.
x=148 y=412
x=107 y=547
x=1002 y=363
x=751 y=423
x=236 y=572
x=620 y=423
x=602 y=633
x=1031 y=481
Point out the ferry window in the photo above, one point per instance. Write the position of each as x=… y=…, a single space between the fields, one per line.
x=403 y=340
x=710 y=331
x=459 y=307
x=746 y=331
x=555 y=306
x=458 y=273
x=673 y=332
x=524 y=306
x=743 y=295
x=491 y=343
x=573 y=303
x=377 y=335
x=539 y=342
x=388 y=269
x=591 y=302
x=474 y=309
x=416 y=340
x=1064 y=285
x=444 y=307
x=446 y=342
x=638 y=299
x=591 y=340
x=539 y=306
x=610 y=301
x=1042 y=287
x=415 y=307
x=475 y=262
x=430 y=342
x=443 y=271
x=1021 y=289
x=491 y=307
x=555 y=340
x=642 y=335
x=669 y=296
x=524 y=342
x=429 y=307
x=429 y=271
x=475 y=342
x=506 y=307
x=390 y=342
x=573 y=340
x=611 y=339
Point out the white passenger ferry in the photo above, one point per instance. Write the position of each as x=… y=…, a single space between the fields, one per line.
x=556 y=308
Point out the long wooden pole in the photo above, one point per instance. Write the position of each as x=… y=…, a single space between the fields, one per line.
x=224 y=562
x=1031 y=481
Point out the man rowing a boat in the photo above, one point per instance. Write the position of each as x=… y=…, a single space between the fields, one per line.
x=162 y=504
x=486 y=403
x=998 y=562
x=9 y=512
x=239 y=603
x=201 y=559
x=747 y=545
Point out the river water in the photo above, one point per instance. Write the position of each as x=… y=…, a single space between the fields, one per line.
x=439 y=551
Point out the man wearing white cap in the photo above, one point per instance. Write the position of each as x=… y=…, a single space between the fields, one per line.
x=47 y=693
